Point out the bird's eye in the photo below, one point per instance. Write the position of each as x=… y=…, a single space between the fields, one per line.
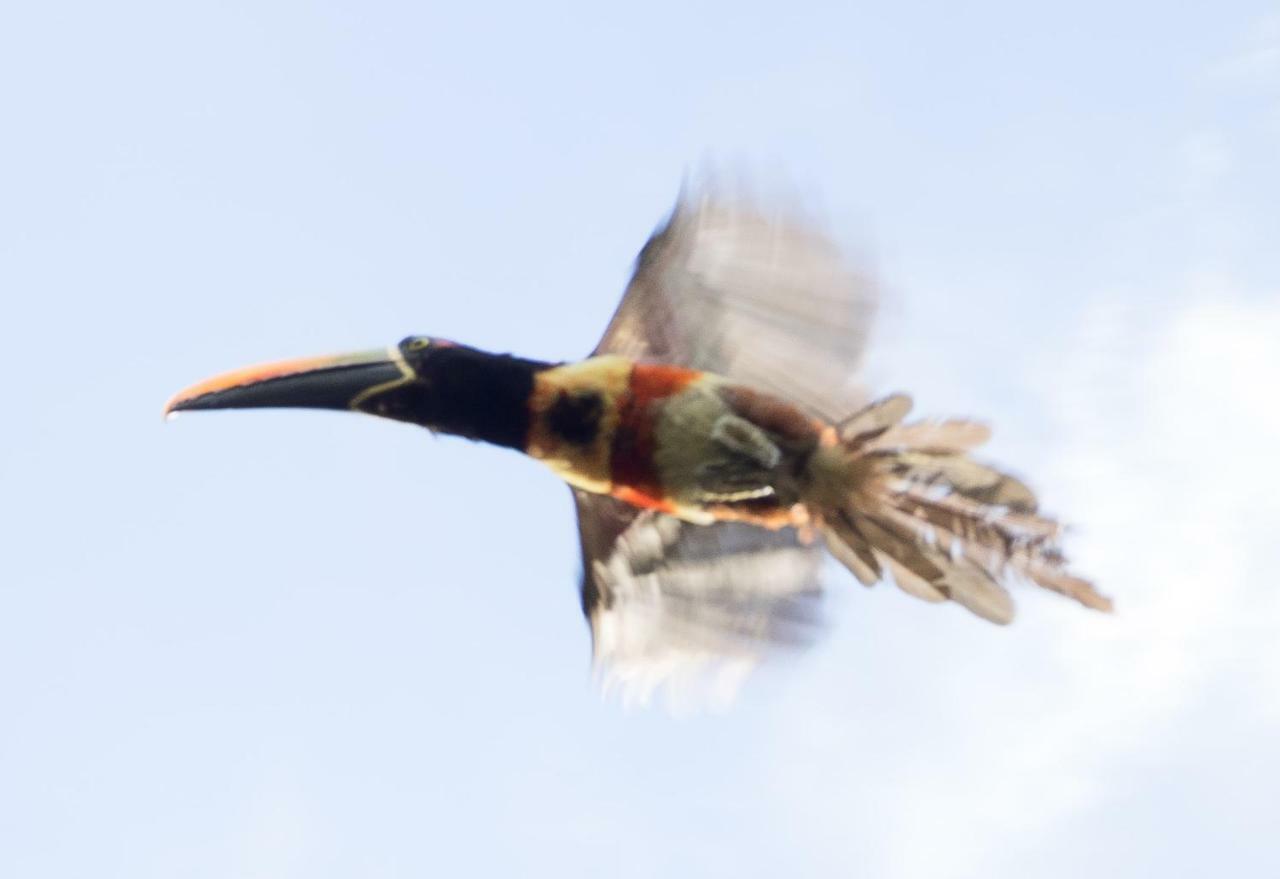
x=418 y=344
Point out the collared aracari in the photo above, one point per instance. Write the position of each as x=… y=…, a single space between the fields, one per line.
x=711 y=451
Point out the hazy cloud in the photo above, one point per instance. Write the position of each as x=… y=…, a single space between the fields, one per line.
x=1164 y=427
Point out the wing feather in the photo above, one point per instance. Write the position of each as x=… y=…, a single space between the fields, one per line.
x=691 y=608
x=758 y=294
x=753 y=292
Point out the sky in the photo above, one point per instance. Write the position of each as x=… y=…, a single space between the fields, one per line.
x=288 y=644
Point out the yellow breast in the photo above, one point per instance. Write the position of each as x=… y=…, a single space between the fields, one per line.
x=574 y=413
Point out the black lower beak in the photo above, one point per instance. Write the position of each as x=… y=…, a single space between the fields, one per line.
x=341 y=382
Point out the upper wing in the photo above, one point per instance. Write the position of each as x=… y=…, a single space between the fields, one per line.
x=759 y=296
x=753 y=293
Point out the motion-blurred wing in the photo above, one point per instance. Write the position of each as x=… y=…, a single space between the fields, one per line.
x=761 y=297
x=691 y=608
x=753 y=293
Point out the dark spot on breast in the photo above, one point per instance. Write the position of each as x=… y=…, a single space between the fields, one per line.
x=576 y=417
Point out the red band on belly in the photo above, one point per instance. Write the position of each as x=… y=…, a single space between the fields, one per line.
x=635 y=478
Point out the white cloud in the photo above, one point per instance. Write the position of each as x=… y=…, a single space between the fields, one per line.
x=1168 y=441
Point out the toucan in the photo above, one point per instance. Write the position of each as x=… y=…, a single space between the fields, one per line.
x=718 y=444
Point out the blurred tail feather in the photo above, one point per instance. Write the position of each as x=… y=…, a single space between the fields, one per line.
x=907 y=499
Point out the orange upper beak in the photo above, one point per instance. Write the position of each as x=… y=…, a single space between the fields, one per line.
x=338 y=382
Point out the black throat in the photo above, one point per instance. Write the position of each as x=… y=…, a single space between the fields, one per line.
x=470 y=393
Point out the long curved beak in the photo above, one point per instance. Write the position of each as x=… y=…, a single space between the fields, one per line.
x=340 y=382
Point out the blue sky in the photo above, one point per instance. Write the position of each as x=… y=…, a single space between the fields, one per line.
x=306 y=644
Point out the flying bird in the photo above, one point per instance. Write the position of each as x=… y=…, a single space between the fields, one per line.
x=717 y=445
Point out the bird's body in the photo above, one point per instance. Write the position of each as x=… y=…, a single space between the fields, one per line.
x=680 y=441
x=715 y=444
